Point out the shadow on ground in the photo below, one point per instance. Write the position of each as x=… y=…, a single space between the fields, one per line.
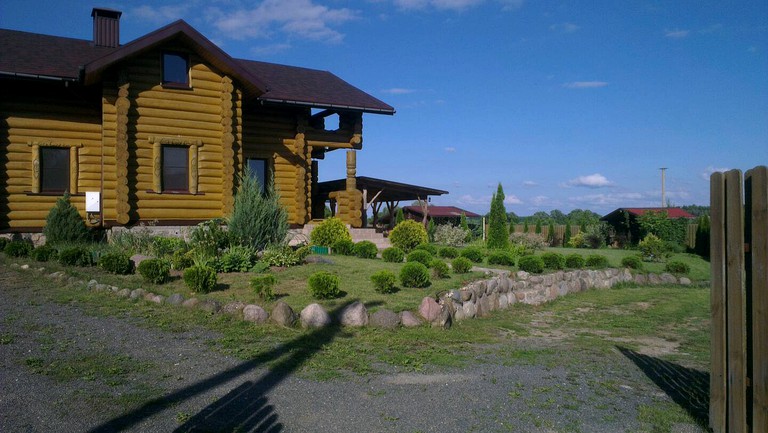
x=687 y=387
x=245 y=408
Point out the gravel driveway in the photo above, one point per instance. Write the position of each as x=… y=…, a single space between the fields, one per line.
x=65 y=370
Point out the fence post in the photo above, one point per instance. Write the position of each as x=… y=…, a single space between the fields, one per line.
x=717 y=378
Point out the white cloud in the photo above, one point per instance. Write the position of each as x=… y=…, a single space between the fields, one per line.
x=596 y=180
x=398 y=91
x=450 y=149
x=468 y=199
x=161 y=14
x=540 y=200
x=564 y=27
x=585 y=84
x=511 y=5
x=707 y=173
x=512 y=199
x=265 y=50
x=676 y=33
x=455 y=5
x=530 y=184
x=711 y=29
x=624 y=199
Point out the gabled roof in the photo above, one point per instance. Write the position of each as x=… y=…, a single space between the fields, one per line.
x=32 y=55
x=672 y=212
x=390 y=191
x=441 y=211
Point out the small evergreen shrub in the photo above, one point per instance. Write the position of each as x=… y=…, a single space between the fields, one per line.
x=574 y=261
x=324 y=285
x=596 y=261
x=473 y=253
x=501 y=257
x=446 y=234
x=116 y=263
x=343 y=247
x=393 y=255
x=632 y=262
x=181 y=260
x=498 y=230
x=414 y=274
x=200 y=279
x=439 y=268
x=43 y=253
x=156 y=271
x=237 y=258
x=263 y=286
x=448 y=252
x=257 y=219
x=430 y=248
x=652 y=248
x=384 y=281
x=63 y=223
x=577 y=241
x=366 y=250
x=553 y=260
x=461 y=265
x=165 y=246
x=531 y=264
x=329 y=232
x=677 y=267
x=18 y=249
x=421 y=256
x=76 y=256
x=407 y=235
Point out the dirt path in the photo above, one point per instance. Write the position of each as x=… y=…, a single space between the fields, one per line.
x=63 y=370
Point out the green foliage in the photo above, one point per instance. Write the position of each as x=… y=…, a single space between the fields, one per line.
x=595 y=235
x=652 y=248
x=461 y=265
x=209 y=237
x=285 y=256
x=343 y=247
x=464 y=225
x=324 y=285
x=553 y=260
x=3 y=243
x=431 y=230
x=76 y=256
x=666 y=229
x=498 y=230
x=134 y=241
x=596 y=261
x=446 y=234
x=677 y=267
x=366 y=250
x=577 y=241
x=414 y=274
x=237 y=258
x=63 y=223
x=529 y=241
x=439 y=268
x=525 y=226
x=116 y=263
x=551 y=234
x=475 y=254
x=156 y=271
x=574 y=261
x=567 y=235
x=632 y=262
x=43 y=253
x=407 y=235
x=162 y=246
x=501 y=257
x=538 y=228
x=200 y=279
x=384 y=281
x=430 y=248
x=258 y=219
x=531 y=264
x=181 y=259
x=393 y=255
x=329 y=231
x=399 y=217
x=263 y=286
x=448 y=252
x=702 y=236
x=18 y=248
x=420 y=256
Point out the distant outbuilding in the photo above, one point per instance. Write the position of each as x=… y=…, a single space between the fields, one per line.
x=624 y=220
x=439 y=214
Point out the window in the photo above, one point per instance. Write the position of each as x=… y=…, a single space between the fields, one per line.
x=175 y=168
x=258 y=169
x=54 y=169
x=176 y=69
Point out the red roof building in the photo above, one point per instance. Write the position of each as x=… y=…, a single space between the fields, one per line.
x=625 y=224
x=440 y=214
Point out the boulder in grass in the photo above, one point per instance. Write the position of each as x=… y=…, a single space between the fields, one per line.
x=283 y=314
x=314 y=316
x=175 y=299
x=254 y=313
x=409 y=320
x=354 y=314
x=429 y=309
x=385 y=319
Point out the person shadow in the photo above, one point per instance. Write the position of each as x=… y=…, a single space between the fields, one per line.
x=246 y=407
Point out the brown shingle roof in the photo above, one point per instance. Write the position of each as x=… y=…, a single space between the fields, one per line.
x=441 y=211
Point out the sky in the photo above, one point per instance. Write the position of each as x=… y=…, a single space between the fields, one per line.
x=567 y=104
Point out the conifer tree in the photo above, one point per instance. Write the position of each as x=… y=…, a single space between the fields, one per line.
x=465 y=226
x=399 y=217
x=551 y=233
x=525 y=226
x=538 y=227
x=567 y=234
x=498 y=234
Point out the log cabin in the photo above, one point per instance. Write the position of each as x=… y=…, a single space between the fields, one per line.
x=158 y=130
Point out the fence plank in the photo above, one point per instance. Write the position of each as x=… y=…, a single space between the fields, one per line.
x=757 y=181
x=735 y=322
x=717 y=379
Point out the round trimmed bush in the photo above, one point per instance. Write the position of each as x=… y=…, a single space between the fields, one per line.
x=439 y=268
x=501 y=257
x=531 y=264
x=596 y=261
x=574 y=261
x=329 y=231
x=116 y=263
x=18 y=249
x=343 y=247
x=324 y=285
x=448 y=252
x=677 y=267
x=156 y=271
x=384 y=281
x=181 y=260
x=76 y=256
x=407 y=235
x=366 y=250
x=461 y=265
x=43 y=253
x=421 y=256
x=200 y=279
x=473 y=253
x=553 y=260
x=430 y=248
x=263 y=286
x=632 y=262
x=393 y=255
x=414 y=274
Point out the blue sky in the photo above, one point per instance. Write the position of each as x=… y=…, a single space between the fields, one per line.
x=569 y=104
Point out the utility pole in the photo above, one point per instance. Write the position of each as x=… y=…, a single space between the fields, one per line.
x=663 y=191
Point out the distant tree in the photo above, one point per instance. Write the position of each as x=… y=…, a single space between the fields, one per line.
x=431 y=230
x=525 y=226
x=399 y=217
x=583 y=218
x=512 y=218
x=696 y=210
x=702 y=236
x=541 y=216
x=465 y=226
x=498 y=234
x=551 y=233
x=558 y=217
x=567 y=235
x=537 y=230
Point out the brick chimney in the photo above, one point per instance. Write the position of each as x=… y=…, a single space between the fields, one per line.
x=106 y=27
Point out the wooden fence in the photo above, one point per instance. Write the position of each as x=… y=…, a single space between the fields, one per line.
x=739 y=346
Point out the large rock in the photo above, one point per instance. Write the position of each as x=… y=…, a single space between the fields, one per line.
x=314 y=316
x=429 y=309
x=176 y=299
x=641 y=279
x=385 y=319
x=210 y=306
x=283 y=314
x=685 y=281
x=233 y=308
x=254 y=313
x=470 y=309
x=409 y=320
x=444 y=320
x=654 y=279
x=354 y=314
x=135 y=293
x=668 y=278
x=190 y=303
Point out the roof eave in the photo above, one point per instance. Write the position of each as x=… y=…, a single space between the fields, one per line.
x=389 y=111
